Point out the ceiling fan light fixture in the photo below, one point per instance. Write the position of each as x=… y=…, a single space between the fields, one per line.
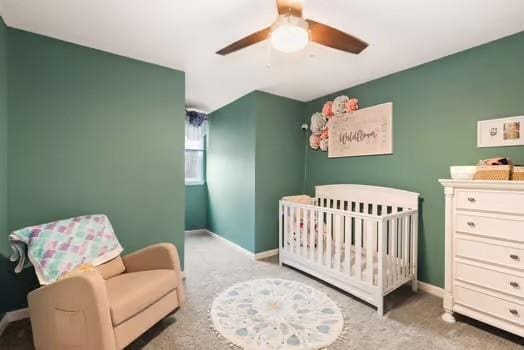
x=289 y=34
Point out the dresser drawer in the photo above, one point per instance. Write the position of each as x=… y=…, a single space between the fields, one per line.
x=498 y=201
x=491 y=305
x=506 y=227
x=500 y=281
x=489 y=252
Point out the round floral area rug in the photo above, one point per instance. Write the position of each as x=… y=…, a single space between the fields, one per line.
x=276 y=314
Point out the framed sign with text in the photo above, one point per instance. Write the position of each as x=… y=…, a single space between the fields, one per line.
x=365 y=132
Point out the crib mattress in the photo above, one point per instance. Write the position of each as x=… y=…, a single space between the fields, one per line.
x=365 y=269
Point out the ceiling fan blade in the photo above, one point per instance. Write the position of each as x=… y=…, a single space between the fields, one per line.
x=290 y=7
x=334 y=38
x=249 y=40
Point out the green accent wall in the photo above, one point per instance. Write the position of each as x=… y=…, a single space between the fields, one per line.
x=279 y=162
x=230 y=171
x=92 y=132
x=436 y=109
x=255 y=156
x=196 y=207
x=3 y=138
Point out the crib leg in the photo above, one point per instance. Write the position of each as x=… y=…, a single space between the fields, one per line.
x=380 y=306
x=414 y=286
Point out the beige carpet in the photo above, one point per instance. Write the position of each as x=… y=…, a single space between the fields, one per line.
x=412 y=320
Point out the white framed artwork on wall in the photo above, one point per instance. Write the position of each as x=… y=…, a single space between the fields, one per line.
x=365 y=132
x=500 y=132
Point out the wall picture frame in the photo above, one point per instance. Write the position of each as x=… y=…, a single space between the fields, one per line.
x=500 y=132
x=365 y=132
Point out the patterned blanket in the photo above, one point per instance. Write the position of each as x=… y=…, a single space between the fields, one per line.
x=58 y=247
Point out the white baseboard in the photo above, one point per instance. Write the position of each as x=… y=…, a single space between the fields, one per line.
x=200 y=230
x=431 y=289
x=258 y=256
x=266 y=254
x=232 y=244
x=13 y=316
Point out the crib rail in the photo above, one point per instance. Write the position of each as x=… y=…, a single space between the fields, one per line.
x=371 y=246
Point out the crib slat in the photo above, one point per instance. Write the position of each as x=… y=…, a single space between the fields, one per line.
x=280 y=223
x=286 y=227
x=329 y=235
x=370 y=250
x=393 y=252
x=303 y=232
x=381 y=256
x=400 y=246
x=374 y=211
x=312 y=214
x=414 y=243
x=347 y=245
x=400 y=230
x=358 y=249
x=337 y=234
x=320 y=235
x=296 y=230
x=405 y=250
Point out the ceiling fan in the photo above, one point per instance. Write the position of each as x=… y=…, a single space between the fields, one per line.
x=291 y=32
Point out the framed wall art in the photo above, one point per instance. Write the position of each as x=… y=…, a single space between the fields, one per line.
x=500 y=132
x=365 y=132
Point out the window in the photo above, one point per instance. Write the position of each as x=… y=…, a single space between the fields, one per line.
x=195 y=148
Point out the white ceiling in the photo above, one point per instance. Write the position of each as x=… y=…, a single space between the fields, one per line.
x=184 y=35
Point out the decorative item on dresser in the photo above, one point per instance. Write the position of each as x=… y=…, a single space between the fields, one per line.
x=484 y=257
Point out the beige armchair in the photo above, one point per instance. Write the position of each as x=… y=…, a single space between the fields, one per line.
x=109 y=308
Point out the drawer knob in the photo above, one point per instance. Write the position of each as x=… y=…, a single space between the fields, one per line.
x=514 y=256
x=514 y=311
x=514 y=284
x=472 y=199
x=471 y=224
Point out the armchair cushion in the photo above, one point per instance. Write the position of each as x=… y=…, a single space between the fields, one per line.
x=111 y=268
x=132 y=292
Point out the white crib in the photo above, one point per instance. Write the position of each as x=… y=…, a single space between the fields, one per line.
x=361 y=239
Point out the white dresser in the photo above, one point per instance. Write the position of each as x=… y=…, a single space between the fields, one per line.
x=484 y=252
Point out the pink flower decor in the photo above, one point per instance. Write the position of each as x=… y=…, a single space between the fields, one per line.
x=324 y=145
x=314 y=141
x=324 y=135
x=339 y=105
x=327 y=110
x=318 y=123
x=352 y=105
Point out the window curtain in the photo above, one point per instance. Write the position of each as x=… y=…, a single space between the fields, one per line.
x=196 y=125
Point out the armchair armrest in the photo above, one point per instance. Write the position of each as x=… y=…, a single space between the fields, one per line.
x=159 y=256
x=72 y=313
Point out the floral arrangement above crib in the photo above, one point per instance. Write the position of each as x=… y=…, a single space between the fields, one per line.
x=341 y=105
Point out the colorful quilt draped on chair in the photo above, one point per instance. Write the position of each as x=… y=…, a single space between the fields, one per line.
x=59 y=247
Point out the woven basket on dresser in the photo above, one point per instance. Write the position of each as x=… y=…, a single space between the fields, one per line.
x=518 y=173
x=493 y=172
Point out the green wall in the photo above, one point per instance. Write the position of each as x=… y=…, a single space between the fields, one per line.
x=231 y=172
x=3 y=137
x=436 y=109
x=255 y=156
x=279 y=161
x=196 y=207
x=91 y=132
